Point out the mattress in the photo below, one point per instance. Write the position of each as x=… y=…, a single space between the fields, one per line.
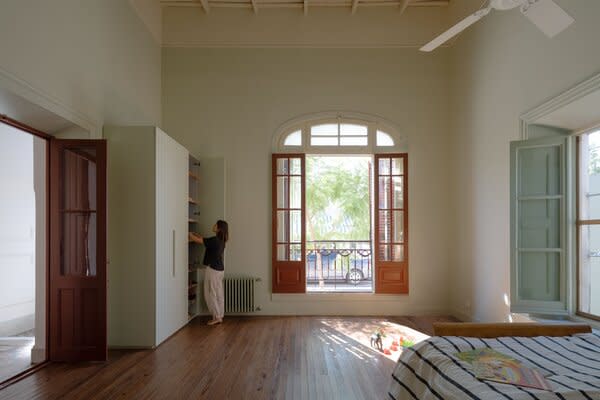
x=431 y=369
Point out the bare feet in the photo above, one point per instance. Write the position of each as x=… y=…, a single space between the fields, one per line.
x=214 y=321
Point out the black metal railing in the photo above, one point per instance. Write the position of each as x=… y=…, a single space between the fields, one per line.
x=339 y=261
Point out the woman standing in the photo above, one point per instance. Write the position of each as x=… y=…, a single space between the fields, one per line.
x=213 y=275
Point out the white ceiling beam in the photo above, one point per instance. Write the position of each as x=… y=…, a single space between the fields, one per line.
x=354 y=6
x=299 y=4
x=403 y=5
x=205 y=6
x=305 y=7
x=255 y=6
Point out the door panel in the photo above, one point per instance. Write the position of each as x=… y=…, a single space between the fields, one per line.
x=77 y=314
x=288 y=202
x=391 y=223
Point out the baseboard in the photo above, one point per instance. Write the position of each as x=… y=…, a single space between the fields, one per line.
x=38 y=355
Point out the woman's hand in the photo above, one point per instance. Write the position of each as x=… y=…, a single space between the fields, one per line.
x=195 y=238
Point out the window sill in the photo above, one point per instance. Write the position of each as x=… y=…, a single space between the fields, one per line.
x=320 y=297
x=566 y=319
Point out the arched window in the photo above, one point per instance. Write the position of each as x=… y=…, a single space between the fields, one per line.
x=357 y=134
x=303 y=257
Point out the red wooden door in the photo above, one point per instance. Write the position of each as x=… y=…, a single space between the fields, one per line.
x=391 y=223
x=77 y=284
x=289 y=245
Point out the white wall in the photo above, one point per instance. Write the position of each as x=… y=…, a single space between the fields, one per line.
x=17 y=231
x=502 y=67
x=230 y=102
x=92 y=62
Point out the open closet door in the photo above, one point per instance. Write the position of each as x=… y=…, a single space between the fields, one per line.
x=77 y=284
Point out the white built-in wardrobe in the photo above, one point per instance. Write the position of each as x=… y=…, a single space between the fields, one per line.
x=147 y=236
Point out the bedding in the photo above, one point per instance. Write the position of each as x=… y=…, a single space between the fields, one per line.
x=431 y=370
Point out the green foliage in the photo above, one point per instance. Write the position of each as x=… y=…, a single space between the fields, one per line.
x=337 y=198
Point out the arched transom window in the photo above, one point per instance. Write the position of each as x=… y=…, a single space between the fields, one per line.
x=338 y=135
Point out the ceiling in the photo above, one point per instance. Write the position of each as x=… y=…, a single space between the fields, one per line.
x=304 y=5
x=300 y=23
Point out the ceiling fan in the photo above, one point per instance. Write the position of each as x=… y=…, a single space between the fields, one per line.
x=545 y=14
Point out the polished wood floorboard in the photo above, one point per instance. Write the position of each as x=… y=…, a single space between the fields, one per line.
x=15 y=356
x=244 y=358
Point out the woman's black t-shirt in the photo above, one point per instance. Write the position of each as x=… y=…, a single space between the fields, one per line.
x=213 y=256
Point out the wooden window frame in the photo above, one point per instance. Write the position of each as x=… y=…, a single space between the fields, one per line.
x=288 y=276
x=391 y=277
x=579 y=223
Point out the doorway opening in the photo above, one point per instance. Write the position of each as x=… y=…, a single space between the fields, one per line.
x=339 y=256
x=23 y=257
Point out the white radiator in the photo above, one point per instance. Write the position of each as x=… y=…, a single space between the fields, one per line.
x=240 y=294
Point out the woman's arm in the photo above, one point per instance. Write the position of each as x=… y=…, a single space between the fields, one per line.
x=196 y=238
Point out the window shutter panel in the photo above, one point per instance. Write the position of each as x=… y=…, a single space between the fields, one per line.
x=391 y=223
x=538 y=208
x=288 y=224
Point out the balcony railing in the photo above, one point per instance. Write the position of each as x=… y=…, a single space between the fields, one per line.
x=339 y=265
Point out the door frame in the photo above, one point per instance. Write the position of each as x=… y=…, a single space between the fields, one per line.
x=42 y=135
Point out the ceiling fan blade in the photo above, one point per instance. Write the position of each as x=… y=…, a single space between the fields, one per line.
x=455 y=30
x=548 y=17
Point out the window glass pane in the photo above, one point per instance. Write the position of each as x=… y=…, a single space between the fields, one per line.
x=282 y=226
x=293 y=139
x=353 y=141
x=324 y=141
x=539 y=224
x=385 y=226
x=384 y=166
x=384 y=192
x=398 y=193
x=353 y=130
x=295 y=166
x=384 y=139
x=78 y=256
x=324 y=130
x=397 y=252
x=79 y=177
x=539 y=276
x=283 y=166
x=295 y=226
x=282 y=252
x=385 y=252
x=397 y=166
x=589 y=176
x=295 y=252
x=282 y=192
x=539 y=172
x=398 y=226
x=295 y=192
x=589 y=269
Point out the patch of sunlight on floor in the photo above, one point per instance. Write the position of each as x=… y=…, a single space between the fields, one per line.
x=360 y=331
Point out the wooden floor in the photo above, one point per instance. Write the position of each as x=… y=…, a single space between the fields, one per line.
x=244 y=358
x=15 y=355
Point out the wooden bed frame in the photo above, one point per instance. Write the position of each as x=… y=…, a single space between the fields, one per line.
x=508 y=329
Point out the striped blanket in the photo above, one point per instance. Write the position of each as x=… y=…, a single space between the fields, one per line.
x=431 y=370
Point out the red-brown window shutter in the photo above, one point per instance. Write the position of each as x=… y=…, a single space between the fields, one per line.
x=391 y=223
x=288 y=241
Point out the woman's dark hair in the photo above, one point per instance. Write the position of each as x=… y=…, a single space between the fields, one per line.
x=223 y=230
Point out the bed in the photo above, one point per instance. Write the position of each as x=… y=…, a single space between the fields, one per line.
x=568 y=355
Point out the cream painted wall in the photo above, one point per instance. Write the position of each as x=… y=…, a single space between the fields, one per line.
x=502 y=67
x=92 y=62
x=229 y=102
